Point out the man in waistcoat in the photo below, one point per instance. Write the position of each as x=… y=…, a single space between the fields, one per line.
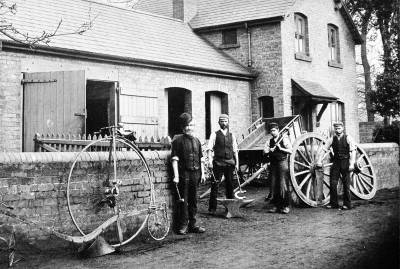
x=278 y=148
x=224 y=162
x=186 y=155
x=344 y=150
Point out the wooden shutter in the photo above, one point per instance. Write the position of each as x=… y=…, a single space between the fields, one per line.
x=139 y=112
x=54 y=103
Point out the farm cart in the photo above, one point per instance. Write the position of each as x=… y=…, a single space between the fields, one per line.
x=310 y=183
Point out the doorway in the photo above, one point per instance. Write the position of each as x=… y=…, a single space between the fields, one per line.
x=216 y=104
x=179 y=101
x=100 y=105
x=266 y=105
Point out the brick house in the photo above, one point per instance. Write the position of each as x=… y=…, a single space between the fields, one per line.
x=246 y=58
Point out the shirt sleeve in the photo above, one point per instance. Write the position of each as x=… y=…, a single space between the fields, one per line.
x=211 y=142
x=352 y=144
x=286 y=142
x=200 y=149
x=266 y=146
x=174 y=150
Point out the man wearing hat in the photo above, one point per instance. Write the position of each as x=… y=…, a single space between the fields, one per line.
x=344 y=150
x=278 y=148
x=186 y=155
x=224 y=146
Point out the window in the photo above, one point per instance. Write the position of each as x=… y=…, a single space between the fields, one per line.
x=266 y=105
x=229 y=37
x=301 y=34
x=333 y=43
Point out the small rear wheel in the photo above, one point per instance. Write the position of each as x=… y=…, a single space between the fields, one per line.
x=158 y=222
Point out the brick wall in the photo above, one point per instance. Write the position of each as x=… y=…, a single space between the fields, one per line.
x=132 y=80
x=366 y=131
x=266 y=52
x=385 y=162
x=35 y=185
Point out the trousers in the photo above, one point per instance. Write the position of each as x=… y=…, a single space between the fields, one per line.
x=340 y=167
x=188 y=181
x=219 y=171
x=280 y=177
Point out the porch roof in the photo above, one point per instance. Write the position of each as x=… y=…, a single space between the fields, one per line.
x=311 y=90
x=132 y=36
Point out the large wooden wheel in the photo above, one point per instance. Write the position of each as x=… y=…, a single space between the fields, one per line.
x=310 y=182
x=363 y=180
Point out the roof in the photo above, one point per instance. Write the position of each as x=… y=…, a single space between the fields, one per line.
x=312 y=90
x=160 y=7
x=128 y=34
x=223 y=12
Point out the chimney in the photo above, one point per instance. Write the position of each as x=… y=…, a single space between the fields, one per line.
x=184 y=10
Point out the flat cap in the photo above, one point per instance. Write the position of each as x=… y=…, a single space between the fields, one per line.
x=223 y=117
x=273 y=125
x=338 y=123
x=185 y=119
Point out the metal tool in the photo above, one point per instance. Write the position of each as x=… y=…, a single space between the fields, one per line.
x=181 y=200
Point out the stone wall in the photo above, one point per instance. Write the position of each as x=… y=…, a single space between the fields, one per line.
x=385 y=162
x=35 y=184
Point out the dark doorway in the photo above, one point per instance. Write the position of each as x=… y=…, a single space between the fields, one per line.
x=216 y=103
x=179 y=101
x=100 y=105
x=304 y=108
x=266 y=104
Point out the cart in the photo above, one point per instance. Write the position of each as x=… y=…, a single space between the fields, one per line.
x=309 y=182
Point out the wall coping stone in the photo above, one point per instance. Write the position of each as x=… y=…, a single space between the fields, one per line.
x=389 y=146
x=69 y=157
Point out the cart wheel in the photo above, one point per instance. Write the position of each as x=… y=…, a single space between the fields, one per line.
x=363 y=179
x=310 y=182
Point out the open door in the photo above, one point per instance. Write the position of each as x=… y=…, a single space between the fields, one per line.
x=54 y=103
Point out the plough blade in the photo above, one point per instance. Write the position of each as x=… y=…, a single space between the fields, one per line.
x=97 y=248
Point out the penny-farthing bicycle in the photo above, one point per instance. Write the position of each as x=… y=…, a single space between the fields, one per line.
x=116 y=188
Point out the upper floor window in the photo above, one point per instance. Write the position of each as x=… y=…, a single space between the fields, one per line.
x=301 y=34
x=229 y=37
x=333 y=43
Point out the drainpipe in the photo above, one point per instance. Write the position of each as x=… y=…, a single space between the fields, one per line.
x=249 y=63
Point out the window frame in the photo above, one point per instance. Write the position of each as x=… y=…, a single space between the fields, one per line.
x=225 y=42
x=301 y=35
x=334 y=46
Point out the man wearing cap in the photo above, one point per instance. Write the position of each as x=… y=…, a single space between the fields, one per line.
x=344 y=150
x=278 y=148
x=223 y=144
x=186 y=155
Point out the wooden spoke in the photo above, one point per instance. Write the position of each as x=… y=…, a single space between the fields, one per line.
x=357 y=183
x=312 y=150
x=327 y=183
x=364 y=174
x=304 y=157
x=366 y=181
x=302 y=173
x=307 y=177
x=327 y=165
x=306 y=150
x=362 y=183
x=359 y=158
x=366 y=166
x=302 y=164
x=308 y=189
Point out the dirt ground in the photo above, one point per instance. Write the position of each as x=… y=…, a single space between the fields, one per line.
x=365 y=237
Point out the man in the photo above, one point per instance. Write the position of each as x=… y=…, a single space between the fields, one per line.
x=186 y=155
x=278 y=148
x=344 y=151
x=224 y=146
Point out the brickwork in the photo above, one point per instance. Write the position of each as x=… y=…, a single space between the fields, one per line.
x=35 y=185
x=366 y=131
x=132 y=80
x=385 y=162
x=341 y=82
x=266 y=60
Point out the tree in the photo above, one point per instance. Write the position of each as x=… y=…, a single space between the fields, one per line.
x=9 y=8
x=363 y=16
x=382 y=15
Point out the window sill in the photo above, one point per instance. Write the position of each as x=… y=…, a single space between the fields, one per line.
x=228 y=46
x=335 y=64
x=302 y=57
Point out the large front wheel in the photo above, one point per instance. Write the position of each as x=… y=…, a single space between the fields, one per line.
x=104 y=184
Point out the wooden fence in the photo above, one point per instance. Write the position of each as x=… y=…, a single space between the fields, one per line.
x=73 y=143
